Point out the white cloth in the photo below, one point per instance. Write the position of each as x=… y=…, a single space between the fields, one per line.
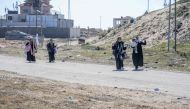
x=37 y=40
x=134 y=46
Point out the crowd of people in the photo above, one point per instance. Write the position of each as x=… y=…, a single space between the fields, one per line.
x=119 y=52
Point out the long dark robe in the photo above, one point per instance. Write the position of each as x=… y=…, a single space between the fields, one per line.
x=138 y=57
x=33 y=51
x=118 y=48
x=51 y=51
x=28 y=53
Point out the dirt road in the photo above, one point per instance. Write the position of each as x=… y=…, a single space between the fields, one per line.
x=101 y=75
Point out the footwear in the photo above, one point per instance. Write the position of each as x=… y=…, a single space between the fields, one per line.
x=136 y=68
x=122 y=68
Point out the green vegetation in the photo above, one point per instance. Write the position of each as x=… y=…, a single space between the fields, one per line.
x=159 y=57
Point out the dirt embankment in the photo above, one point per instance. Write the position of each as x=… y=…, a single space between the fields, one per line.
x=23 y=92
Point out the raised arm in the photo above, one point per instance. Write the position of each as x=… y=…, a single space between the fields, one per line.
x=113 y=46
x=143 y=42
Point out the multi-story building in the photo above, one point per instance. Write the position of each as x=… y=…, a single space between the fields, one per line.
x=41 y=17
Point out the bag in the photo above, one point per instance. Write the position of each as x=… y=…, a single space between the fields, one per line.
x=124 y=55
x=55 y=50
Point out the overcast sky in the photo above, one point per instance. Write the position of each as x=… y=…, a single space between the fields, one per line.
x=87 y=12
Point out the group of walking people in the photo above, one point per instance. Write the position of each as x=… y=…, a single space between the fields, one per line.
x=119 y=51
x=31 y=50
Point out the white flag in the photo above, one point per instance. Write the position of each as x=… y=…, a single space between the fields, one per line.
x=37 y=40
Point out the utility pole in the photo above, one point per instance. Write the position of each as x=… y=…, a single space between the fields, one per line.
x=69 y=17
x=36 y=21
x=175 y=26
x=69 y=9
x=148 y=6
x=169 y=28
x=100 y=22
x=36 y=6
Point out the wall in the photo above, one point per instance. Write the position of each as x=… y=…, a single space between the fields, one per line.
x=44 y=20
x=65 y=23
x=48 y=32
x=74 y=32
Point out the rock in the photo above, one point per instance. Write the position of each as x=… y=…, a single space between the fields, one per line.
x=147 y=67
x=78 y=55
x=156 y=89
x=2 y=46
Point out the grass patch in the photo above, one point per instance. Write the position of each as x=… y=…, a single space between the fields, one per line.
x=159 y=57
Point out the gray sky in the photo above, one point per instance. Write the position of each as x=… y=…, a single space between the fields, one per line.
x=87 y=12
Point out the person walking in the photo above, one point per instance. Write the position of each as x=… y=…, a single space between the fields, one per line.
x=118 y=51
x=27 y=51
x=137 y=55
x=30 y=50
x=51 y=48
x=33 y=50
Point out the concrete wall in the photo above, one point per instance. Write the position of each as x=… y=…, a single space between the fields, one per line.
x=65 y=23
x=48 y=32
x=20 y=20
x=74 y=32
x=44 y=20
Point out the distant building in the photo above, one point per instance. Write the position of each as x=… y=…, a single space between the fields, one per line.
x=89 y=32
x=123 y=20
x=43 y=18
x=27 y=7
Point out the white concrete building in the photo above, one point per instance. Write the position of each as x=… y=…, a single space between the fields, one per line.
x=121 y=21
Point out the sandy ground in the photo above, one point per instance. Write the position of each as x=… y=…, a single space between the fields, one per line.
x=24 y=92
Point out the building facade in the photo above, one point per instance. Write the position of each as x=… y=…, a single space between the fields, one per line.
x=29 y=17
x=120 y=21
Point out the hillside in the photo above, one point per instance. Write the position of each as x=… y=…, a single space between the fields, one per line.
x=154 y=26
